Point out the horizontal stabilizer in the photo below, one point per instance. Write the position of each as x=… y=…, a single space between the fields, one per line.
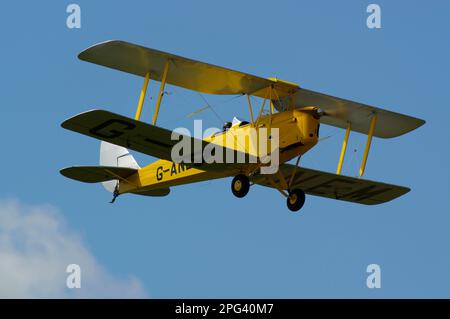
x=334 y=186
x=154 y=192
x=96 y=174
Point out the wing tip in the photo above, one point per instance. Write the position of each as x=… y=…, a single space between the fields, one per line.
x=86 y=53
x=417 y=124
x=421 y=123
x=402 y=191
x=66 y=124
x=69 y=171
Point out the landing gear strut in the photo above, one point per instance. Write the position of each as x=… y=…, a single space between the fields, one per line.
x=295 y=200
x=240 y=185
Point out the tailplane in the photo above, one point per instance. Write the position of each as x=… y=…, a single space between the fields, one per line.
x=115 y=163
x=97 y=174
x=112 y=155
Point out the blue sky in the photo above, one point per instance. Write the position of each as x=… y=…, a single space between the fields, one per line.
x=201 y=241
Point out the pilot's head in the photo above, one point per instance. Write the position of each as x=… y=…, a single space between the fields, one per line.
x=226 y=126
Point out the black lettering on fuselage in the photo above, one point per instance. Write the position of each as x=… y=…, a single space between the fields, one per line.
x=182 y=167
x=159 y=173
x=173 y=170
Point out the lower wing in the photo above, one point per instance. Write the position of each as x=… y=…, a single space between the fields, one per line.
x=143 y=137
x=333 y=186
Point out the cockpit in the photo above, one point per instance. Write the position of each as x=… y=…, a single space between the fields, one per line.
x=235 y=122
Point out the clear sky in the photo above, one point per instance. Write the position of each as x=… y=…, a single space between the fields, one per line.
x=201 y=241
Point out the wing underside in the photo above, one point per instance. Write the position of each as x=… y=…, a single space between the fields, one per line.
x=333 y=186
x=145 y=138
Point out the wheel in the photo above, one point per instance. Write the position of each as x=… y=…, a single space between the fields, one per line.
x=296 y=200
x=240 y=185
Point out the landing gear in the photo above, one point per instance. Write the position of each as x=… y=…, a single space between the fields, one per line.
x=240 y=185
x=295 y=200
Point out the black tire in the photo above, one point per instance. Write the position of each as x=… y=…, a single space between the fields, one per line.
x=296 y=200
x=240 y=185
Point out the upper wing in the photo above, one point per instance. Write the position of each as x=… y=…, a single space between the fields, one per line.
x=334 y=186
x=212 y=79
x=142 y=137
x=183 y=72
x=340 y=112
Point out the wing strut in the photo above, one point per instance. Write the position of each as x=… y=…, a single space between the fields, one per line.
x=250 y=109
x=161 y=92
x=373 y=122
x=343 y=150
x=142 y=97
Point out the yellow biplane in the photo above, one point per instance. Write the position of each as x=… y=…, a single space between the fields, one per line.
x=294 y=112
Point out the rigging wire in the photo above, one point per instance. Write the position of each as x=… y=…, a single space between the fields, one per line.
x=353 y=156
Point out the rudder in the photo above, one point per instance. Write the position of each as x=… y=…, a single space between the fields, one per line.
x=115 y=156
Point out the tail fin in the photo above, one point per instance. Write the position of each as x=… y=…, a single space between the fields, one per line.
x=115 y=156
